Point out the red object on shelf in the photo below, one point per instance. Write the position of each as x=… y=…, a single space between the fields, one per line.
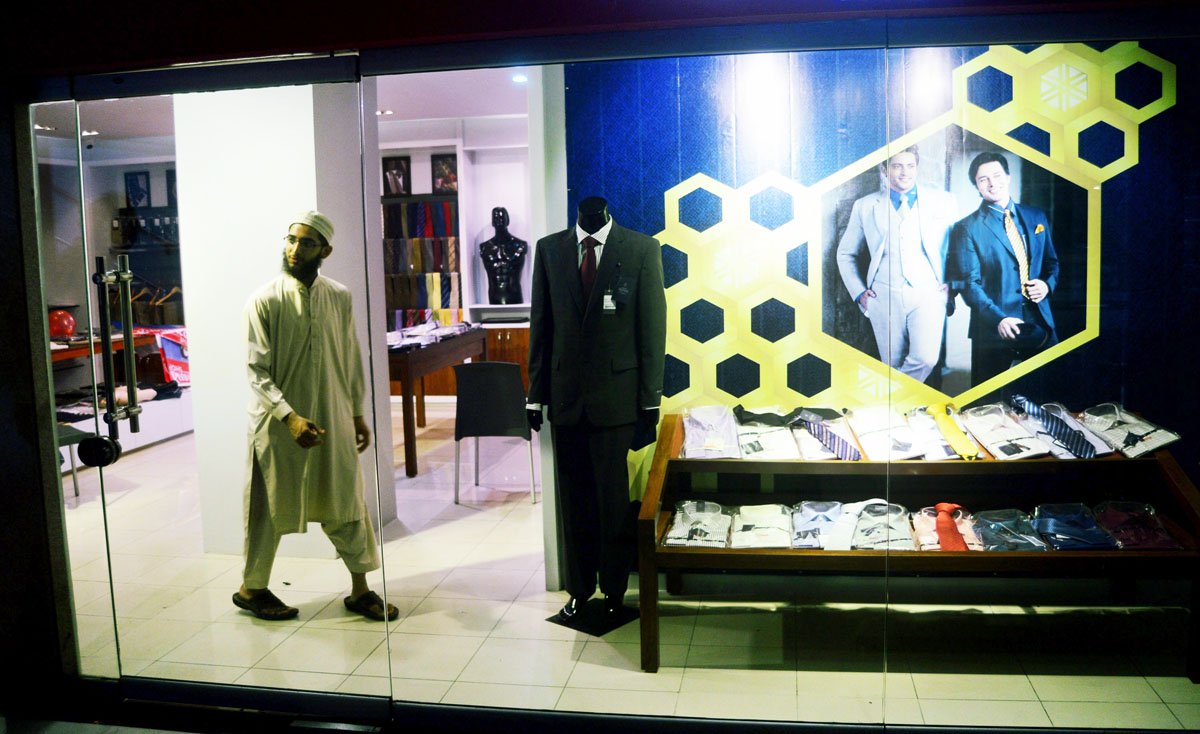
x=62 y=323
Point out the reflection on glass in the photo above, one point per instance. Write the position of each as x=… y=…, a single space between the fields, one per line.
x=68 y=293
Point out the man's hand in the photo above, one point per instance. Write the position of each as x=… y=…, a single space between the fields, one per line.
x=1009 y=328
x=305 y=432
x=862 y=300
x=362 y=434
x=1036 y=290
x=535 y=418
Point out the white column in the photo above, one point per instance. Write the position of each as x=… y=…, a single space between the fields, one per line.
x=247 y=161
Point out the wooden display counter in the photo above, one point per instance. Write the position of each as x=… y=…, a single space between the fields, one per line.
x=976 y=485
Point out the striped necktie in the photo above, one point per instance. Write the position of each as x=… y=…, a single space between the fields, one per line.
x=1018 y=245
x=835 y=443
x=1070 y=438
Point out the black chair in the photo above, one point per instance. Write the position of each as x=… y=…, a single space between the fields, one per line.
x=68 y=437
x=491 y=402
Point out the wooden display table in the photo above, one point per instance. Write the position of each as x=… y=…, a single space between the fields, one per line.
x=83 y=349
x=407 y=370
x=977 y=485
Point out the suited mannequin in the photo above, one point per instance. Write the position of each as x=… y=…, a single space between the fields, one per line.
x=503 y=259
x=596 y=363
x=1010 y=318
x=891 y=258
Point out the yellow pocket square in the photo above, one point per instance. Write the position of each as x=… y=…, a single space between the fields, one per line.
x=1039 y=229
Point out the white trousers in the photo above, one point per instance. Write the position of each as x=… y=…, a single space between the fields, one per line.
x=908 y=324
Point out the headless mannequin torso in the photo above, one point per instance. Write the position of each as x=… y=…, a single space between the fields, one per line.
x=504 y=260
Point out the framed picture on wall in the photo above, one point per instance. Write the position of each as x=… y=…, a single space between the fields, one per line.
x=397 y=175
x=172 y=197
x=137 y=188
x=445 y=173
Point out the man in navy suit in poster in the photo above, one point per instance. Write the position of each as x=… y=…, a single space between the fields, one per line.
x=1004 y=264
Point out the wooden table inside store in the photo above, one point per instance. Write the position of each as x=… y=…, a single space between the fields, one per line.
x=1156 y=479
x=407 y=370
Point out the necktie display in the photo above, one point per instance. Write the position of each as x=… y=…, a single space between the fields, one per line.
x=587 y=268
x=1072 y=439
x=943 y=416
x=1018 y=245
x=947 y=530
x=835 y=443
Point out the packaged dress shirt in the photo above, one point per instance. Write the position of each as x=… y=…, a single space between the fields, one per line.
x=710 y=432
x=699 y=523
x=998 y=431
x=883 y=434
x=1125 y=432
x=884 y=526
x=928 y=437
x=811 y=519
x=1071 y=526
x=924 y=522
x=840 y=535
x=811 y=448
x=761 y=526
x=1135 y=525
x=767 y=443
x=1007 y=530
x=1060 y=411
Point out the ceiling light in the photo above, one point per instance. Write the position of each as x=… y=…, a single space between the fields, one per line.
x=47 y=128
x=520 y=78
x=89 y=133
x=383 y=112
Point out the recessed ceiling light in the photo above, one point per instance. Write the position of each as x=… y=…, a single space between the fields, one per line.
x=383 y=112
x=520 y=78
x=89 y=133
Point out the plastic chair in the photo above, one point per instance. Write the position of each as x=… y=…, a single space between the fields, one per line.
x=491 y=402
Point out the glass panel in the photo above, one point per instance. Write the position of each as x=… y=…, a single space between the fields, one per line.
x=1037 y=146
x=66 y=257
x=199 y=192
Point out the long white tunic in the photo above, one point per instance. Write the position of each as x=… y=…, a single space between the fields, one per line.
x=303 y=356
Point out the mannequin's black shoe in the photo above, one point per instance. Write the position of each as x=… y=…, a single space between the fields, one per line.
x=613 y=604
x=571 y=609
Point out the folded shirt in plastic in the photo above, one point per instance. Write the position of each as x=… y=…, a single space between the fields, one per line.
x=924 y=522
x=761 y=526
x=767 y=443
x=699 y=523
x=1135 y=525
x=830 y=429
x=1125 y=432
x=810 y=521
x=883 y=526
x=1071 y=526
x=928 y=437
x=1001 y=435
x=883 y=434
x=1060 y=411
x=1007 y=530
x=710 y=432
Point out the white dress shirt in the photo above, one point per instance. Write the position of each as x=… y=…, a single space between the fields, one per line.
x=761 y=526
x=1005 y=439
x=883 y=434
x=699 y=523
x=810 y=520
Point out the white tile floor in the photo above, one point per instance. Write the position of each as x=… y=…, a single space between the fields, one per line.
x=470 y=585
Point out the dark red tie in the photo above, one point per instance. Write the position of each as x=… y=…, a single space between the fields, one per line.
x=587 y=268
x=947 y=530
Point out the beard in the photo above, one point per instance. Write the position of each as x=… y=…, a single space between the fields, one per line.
x=303 y=270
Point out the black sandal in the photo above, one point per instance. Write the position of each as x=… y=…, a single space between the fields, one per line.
x=265 y=605
x=371 y=606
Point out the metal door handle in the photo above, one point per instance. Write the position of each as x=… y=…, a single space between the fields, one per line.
x=104 y=280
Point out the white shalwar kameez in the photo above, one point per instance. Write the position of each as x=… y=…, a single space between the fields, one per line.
x=304 y=356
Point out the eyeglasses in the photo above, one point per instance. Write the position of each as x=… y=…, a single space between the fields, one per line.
x=306 y=242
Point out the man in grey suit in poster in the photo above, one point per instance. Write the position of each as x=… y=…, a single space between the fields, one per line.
x=892 y=260
x=597 y=344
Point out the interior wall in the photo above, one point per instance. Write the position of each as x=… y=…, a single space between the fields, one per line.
x=497 y=178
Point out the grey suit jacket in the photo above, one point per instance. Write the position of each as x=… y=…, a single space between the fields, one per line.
x=584 y=360
x=867 y=233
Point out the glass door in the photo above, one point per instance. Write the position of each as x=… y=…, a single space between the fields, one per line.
x=237 y=295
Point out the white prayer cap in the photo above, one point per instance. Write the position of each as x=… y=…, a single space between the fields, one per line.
x=317 y=221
